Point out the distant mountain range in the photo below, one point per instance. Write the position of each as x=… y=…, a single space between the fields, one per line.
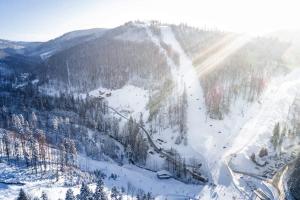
x=87 y=59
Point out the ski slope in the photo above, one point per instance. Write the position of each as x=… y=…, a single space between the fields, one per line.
x=186 y=75
x=129 y=100
x=205 y=136
x=241 y=130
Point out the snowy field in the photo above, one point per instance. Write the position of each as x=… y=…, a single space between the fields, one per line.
x=129 y=100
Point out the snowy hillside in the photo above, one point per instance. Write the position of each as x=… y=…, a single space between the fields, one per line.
x=6 y=44
x=47 y=49
x=131 y=176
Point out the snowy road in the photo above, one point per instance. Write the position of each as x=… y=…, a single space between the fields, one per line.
x=186 y=75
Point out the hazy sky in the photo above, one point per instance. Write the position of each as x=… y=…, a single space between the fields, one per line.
x=44 y=19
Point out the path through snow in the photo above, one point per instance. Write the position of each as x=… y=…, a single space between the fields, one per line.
x=186 y=74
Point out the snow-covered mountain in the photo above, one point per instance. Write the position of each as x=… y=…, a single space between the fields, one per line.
x=46 y=49
x=29 y=56
x=110 y=61
x=145 y=97
x=7 y=44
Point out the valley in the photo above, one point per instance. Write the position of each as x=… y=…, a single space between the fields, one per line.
x=218 y=111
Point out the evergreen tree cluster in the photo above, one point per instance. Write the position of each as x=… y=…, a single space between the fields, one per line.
x=136 y=145
x=109 y=61
x=87 y=194
x=64 y=120
x=24 y=196
x=168 y=109
x=242 y=75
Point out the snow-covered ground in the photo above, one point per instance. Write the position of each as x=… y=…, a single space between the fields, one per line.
x=129 y=100
x=140 y=179
x=34 y=184
x=126 y=175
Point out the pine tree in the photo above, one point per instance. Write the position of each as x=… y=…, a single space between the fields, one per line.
x=42 y=146
x=16 y=123
x=99 y=192
x=85 y=193
x=141 y=122
x=24 y=141
x=7 y=143
x=183 y=116
x=281 y=138
x=44 y=196
x=33 y=120
x=149 y=196
x=70 y=195
x=34 y=157
x=115 y=194
x=129 y=153
x=54 y=123
x=22 y=195
x=62 y=153
x=16 y=149
x=73 y=152
x=275 y=136
x=115 y=127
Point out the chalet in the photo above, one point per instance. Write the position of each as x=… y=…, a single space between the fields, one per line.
x=163 y=174
x=108 y=94
x=101 y=93
x=100 y=97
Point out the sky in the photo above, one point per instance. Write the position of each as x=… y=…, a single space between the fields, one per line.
x=41 y=20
